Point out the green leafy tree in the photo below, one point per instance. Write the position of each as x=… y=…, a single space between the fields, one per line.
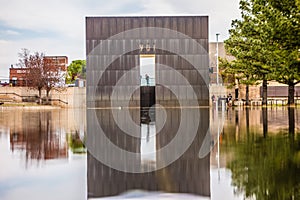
x=265 y=43
x=247 y=44
x=240 y=71
x=284 y=23
x=75 y=69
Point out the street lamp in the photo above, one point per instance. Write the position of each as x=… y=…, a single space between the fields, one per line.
x=217 y=58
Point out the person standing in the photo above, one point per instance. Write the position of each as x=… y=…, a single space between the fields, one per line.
x=229 y=100
x=147 y=79
x=213 y=99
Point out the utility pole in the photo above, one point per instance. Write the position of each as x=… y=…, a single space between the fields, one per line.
x=217 y=58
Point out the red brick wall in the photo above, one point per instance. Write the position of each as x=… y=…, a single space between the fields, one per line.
x=57 y=61
x=17 y=76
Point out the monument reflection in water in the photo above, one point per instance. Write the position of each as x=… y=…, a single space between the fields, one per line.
x=188 y=174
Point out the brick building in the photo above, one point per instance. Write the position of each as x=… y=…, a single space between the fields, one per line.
x=17 y=76
x=57 y=62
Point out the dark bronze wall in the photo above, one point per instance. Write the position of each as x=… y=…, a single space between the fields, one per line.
x=99 y=29
x=188 y=174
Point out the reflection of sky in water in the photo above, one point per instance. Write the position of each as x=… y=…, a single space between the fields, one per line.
x=148 y=142
x=65 y=178
x=222 y=188
x=138 y=194
x=54 y=179
x=35 y=160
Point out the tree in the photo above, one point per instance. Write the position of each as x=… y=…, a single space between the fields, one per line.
x=42 y=73
x=247 y=44
x=76 y=68
x=34 y=73
x=285 y=21
x=53 y=76
x=267 y=40
x=241 y=73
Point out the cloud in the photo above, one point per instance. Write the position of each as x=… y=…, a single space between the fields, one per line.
x=58 y=27
x=62 y=17
x=220 y=12
x=67 y=17
x=41 y=16
x=50 y=46
x=9 y=33
x=3 y=42
x=54 y=27
x=157 y=7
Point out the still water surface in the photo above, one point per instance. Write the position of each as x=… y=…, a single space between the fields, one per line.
x=36 y=159
x=42 y=156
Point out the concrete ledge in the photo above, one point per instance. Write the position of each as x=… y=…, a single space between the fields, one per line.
x=74 y=97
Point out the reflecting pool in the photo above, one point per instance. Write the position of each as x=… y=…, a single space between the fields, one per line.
x=253 y=154
x=37 y=154
x=261 y=150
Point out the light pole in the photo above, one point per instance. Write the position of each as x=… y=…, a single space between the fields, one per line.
x=217 y=58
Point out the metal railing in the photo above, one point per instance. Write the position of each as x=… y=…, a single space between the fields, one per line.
x=21 y=96
x=149 y=82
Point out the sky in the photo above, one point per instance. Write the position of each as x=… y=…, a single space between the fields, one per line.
x=57 y=27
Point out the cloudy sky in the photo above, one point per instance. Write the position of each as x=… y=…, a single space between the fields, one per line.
x=57 y=27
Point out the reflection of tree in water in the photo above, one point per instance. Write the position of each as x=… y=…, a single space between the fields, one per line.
x=267 y=168
x=291 y=112
x=38 y=138
x=76 y=144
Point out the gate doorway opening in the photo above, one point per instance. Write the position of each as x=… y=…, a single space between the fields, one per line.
x=148 y=129
x=147 y=80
